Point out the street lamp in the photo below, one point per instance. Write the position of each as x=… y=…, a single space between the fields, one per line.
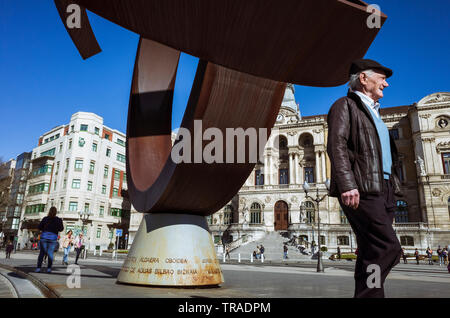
x=84 y=217
x=317 y=199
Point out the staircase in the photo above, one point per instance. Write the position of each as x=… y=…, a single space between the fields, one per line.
x=273 y=249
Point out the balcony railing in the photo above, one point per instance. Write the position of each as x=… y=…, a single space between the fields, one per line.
x=411 y=225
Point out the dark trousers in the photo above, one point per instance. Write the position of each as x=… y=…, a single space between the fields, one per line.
x=377 y=241
x=78 y=251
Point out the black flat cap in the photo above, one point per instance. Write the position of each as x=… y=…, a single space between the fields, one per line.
x=366 y=64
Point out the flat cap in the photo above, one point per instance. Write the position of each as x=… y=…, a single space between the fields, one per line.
x=366 y=64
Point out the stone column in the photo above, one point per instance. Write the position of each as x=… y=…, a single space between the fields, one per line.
x=318 y=179
x=324 y=168
x=297 y=169
x=291 y=169
x=270 y=170
x=266 y=170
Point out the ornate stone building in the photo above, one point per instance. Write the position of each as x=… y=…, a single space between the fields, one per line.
x=273 y=197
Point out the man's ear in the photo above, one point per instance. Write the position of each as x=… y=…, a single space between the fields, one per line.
x=362 y=78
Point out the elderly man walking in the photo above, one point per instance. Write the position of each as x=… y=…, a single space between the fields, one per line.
x=363 y=174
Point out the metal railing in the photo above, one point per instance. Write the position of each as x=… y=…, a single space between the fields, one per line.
x=236 y=243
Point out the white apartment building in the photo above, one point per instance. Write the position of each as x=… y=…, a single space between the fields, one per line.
x=80 y=169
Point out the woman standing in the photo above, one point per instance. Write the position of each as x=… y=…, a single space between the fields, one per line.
x=67 y=244
x=49 y=227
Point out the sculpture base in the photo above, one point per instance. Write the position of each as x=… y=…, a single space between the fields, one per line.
x=172 y=250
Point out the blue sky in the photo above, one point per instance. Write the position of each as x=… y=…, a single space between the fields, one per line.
x=43 y=79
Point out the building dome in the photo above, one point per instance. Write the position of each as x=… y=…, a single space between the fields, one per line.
x=289 y=99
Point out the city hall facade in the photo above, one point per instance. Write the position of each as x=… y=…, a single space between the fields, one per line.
x=273 y=197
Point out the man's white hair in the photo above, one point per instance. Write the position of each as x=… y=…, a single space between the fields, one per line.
x=354 y=79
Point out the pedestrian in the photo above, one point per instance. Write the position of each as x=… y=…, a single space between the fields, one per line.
x=49 y=227
x=416 y=254
x=439 y=253
x=79 y=246
x=254 y=255
x=227 y=254
x=285 y=251
x=364 y=172
x=339 y=255
x=261 y=251
x=16 y=239
x=9 y=248
x=67 y=244
x=258 y=252
x=430 y=256
x=445 y=255
x=404 y=256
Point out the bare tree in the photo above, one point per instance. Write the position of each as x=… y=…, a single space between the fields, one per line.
x=5 y=185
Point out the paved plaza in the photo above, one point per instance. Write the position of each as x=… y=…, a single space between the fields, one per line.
x=282 y=279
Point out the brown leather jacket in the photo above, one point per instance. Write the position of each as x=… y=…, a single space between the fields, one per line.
x=354 y=149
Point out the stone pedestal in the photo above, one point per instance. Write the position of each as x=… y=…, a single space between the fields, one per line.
x=172 y=250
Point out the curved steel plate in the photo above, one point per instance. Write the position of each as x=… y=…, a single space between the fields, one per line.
x=220 y=98
x=297 y=41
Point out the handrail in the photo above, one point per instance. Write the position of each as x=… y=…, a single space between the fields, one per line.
x=237 y=243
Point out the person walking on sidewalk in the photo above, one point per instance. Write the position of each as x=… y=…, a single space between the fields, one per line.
x=227 y=252
x=50 y=226
x=79 y=246
x=445 y=255
x=67 y=244
x=439 y=253
x=416 y=254
x=339 y=255
x=285 y=251
x=404 y=256
x=430 y=256
x=364 y=172
x=9 y=248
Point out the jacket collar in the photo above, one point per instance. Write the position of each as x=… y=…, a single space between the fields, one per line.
x=364 y=108
x=361 y=105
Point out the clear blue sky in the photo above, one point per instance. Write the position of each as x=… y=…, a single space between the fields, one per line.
x=43 y=79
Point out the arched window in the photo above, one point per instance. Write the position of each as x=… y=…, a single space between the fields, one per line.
x=344 y=219
x=305 y=140
x=343 y=240
x=407 y=240
x=310 y=209
x=283 y=149
x=401 y=214
x=227 y=214
x=255 y=213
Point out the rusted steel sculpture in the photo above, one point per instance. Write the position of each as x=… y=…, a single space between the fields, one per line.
x=248 y=50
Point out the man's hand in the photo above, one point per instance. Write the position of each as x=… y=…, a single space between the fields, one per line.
x=351 y=198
